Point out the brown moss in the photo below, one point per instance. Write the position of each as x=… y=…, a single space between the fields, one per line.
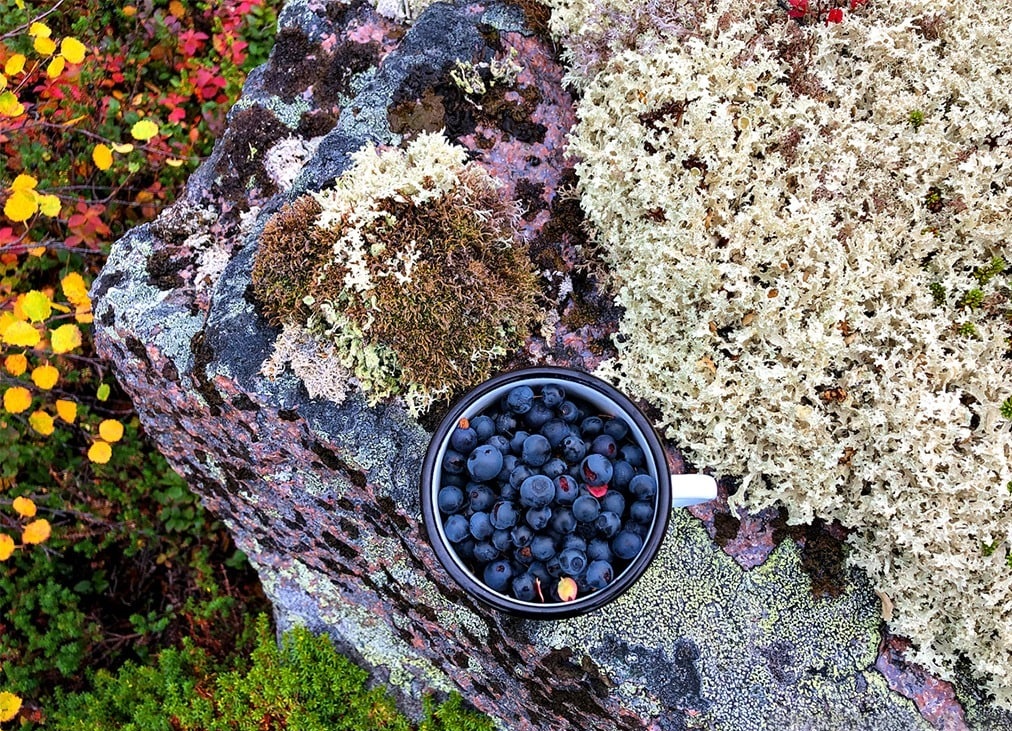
x=250 y=135
x=287 y=260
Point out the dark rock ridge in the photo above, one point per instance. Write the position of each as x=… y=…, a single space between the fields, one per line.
x=323 y=497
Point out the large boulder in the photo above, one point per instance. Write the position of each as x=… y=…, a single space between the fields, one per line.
x=740 y=623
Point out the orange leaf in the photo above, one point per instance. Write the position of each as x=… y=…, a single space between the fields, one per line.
x=16 y=364
x=100 y=452
x=74 y=288
x=110 y=430
x=17 y=399
x=45 y=377
x=102 y=156
x=66 y=410
x=38 y=531
x=6 y=549
x=24 y=507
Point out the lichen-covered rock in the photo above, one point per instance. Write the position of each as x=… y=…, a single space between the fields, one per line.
x=320 y=488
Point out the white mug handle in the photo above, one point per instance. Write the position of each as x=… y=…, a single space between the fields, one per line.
x=692 y=489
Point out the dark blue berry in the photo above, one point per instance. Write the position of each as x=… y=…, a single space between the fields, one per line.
x=554 y=467
x=622 y=472
x=542 y=548
x=481 y=526
x=537 y=518
x=555 y=431
x=536 y=491
x=595 y=469
x=517 y=442
x=499 y=442
x=640 y=529
x=523 y=588
x=503 y=515
x=480 y=497
x=617 y=429
x=485 y=552
x=608 y=524
x=586 y=509
x=563 y=520
x=567 y=489
x=520 y=473
x=465 y=549
x=454 y=462
x=643 y=486
x=509 y=463
x=553 y=394
x=605 y=445
x=538 y=415
x=523 y=556
x=483 y=426
x=599 y=574
x=632 y=454
x=497 y=575
x=591 y=427
x=456 y=528
x=450 y=499
x=641 y=511
x=484 y=463
x=522 y=535
x=573 y=448
x=569 y=412
x=599 y=550
x=626 y=544
x=505 y=423
x=463 y=439
x=538 y=571
x=553 y=567
x=572 y=561
x=502 y=541
x=613 y=502
x=536 y=450
x=520 y=399
x=574 y=542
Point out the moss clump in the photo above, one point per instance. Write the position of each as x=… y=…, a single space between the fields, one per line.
x=413 y=265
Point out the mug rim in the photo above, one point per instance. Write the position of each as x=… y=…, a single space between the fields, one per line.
x=489 y=392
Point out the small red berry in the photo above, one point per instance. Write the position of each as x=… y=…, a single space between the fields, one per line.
x=835 y=15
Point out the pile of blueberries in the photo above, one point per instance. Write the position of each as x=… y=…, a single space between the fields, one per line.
x=544 y=499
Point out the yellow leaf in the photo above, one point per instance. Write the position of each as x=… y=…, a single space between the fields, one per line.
x=56 y=66
x=24 y=507
x=82 y=313
x=37 y=306
x=39 y=30
x=49 y=204
x=65 y=338
x=37 y=251
x=73 y=50
x=110 y=430
x=3 y=82
x=21 y=205
x=44 y=46
x=15 y=64
x=102 y=156
x=6 y=549
x=66 y=410
x=37 y=531
x=144 y=130
x=16 y=364
x=24 y=182
x=10 y=106
x=45 y=377
x=21 y=334
x=100 y=452
x=123 y=148
x=17 y=399
x=74 y=289
x=41 y=422
x=128 y=10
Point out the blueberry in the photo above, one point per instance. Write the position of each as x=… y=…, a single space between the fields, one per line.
x=456 y=528
x=617 y=429
x=591 y=427
x=481 y=526
x=599 y=550
x=569 y=412
x=503 y=515
x=567 y=489
x=520 y=399
x=573 y=448
x=586 y=509
x=643 y=486
x=505 y=423
x=483 y=426
x=538 y=571
x=465 y=549
x=563 y=520
x=608 y=524
x=523 y=556
x=555 y=431
x=640 y=529
x=538 y=415
x=554 y=467
x=453 y=462
x=622 y=472
x=626 y=544
x=484 y=463
x=522 y=535
x=542 y=548
x=523 y=588
x=463 y=438
x=536 y=450
x=450 y=499
x=502 y=541
x=613 y=502
x=517 y=441
x=537 y=518
x=520 y=473
x=497 y=575
x=553 y=394
x=509 y=463
x=536 y=491
x=499 y=442
x=574 y=542
x=595 y=469
x=553 y=567
x=632 y=454
x=599 y=574
x=485 y=552
x=605 y=445
x=458 y=480
x=572 y=561
x=480 y=497
x=641 y=511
